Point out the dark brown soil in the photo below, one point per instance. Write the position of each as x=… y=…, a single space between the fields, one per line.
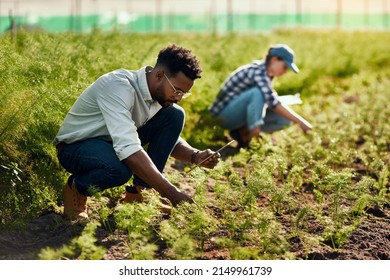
x=370 y=241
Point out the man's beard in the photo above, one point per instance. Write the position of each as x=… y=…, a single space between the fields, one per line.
x=161 y=100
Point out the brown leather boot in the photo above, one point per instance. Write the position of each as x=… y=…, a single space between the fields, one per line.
x=75 y=204
x=134 y=194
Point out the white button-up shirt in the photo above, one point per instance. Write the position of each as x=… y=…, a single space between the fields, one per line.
x=113 y=107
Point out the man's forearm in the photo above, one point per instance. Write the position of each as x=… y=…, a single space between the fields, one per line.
x=183 y=151
x=141 y=165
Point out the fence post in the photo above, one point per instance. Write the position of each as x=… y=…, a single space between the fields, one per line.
x=339 y=13
x=366 y=14
x=13 y=25
x=78 y=15
x=298 y=10
x=385 y=15
x=158 y=18
x=229 y=15
x=72 y=16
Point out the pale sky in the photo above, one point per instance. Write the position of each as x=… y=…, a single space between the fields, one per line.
x=67 y=7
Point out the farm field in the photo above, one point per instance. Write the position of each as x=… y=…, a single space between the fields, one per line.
x=323 y=195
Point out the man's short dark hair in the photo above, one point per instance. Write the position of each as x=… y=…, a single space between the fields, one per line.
x=178 y=59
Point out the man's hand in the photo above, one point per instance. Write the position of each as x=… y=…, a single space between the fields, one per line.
x=141 y=164
x=178 y=196
x=211 y=162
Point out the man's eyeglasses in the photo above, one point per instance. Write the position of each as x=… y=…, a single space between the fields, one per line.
x=178 y=92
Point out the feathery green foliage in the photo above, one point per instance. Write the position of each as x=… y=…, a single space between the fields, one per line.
x=260 y=197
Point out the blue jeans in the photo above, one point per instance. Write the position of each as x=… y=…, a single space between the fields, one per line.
x=247 y=110
x=94 y=165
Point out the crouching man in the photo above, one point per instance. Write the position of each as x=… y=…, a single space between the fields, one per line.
x=101 y=140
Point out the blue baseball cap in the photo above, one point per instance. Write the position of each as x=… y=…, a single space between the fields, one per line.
x=287 y=54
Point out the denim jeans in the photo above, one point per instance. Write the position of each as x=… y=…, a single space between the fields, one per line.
x=249 y=109
x=94 y=165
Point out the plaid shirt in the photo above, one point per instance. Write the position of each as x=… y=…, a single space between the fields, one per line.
x=242 y=79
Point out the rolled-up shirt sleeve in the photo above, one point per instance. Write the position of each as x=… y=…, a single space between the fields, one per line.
x=112 y=108
x=116 y=108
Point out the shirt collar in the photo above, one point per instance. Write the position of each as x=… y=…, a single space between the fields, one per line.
x=263 y=67
x=143 y=84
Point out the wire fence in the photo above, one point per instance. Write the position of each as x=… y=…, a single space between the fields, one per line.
x=192 y=15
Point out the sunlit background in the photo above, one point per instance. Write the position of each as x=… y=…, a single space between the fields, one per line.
x=193 y=15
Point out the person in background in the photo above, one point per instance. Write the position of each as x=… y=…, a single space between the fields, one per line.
x=102 y=138
x=247 y=103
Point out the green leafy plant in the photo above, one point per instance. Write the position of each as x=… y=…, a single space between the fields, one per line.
x=257 y=202
x=140 y=220
x=82 y=247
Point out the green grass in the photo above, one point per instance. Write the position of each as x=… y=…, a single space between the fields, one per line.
x=329 y=177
